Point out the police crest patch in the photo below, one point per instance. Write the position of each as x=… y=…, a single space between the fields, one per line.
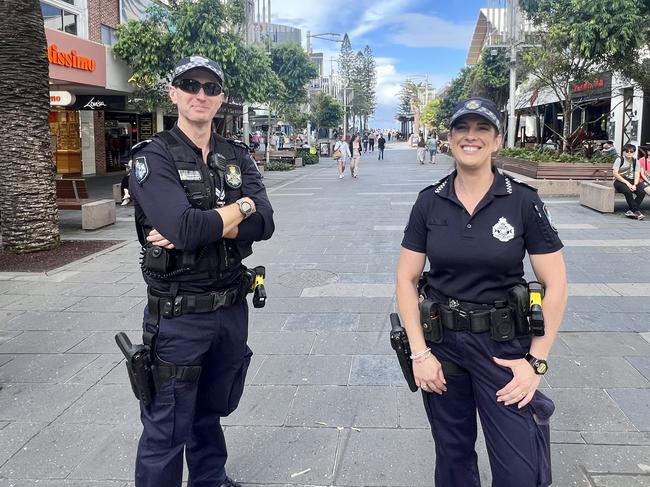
x=233 y=176
x=141 y=169
x=503 y=231
x=550 y=220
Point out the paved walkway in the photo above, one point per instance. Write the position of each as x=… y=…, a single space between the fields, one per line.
x=325 y=403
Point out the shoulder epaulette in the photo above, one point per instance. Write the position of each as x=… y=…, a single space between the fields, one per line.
x=520 y=182
x=236 y=143
x=139 y=145
x=440 y=184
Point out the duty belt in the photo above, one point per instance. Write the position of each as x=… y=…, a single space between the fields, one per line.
x=170 y=306
x=465 y=316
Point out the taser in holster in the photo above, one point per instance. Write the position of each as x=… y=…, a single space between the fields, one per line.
x=259 y=291
x=536 y=317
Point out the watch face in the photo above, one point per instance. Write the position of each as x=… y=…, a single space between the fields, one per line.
x=542 y=367
x=246 y=206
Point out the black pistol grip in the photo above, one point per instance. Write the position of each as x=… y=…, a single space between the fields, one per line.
x=124 y=344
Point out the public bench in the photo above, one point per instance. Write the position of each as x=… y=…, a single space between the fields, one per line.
x=599 y=196
x=72 y=194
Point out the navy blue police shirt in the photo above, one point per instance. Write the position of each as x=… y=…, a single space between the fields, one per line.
x=478 y=257
x=160 y=202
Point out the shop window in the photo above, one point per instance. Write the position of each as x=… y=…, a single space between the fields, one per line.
x=109 y=35
x=59 y=19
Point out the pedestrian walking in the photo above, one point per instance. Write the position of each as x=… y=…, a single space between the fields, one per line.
x=341 y=154
x=364 y=141
x=355 y=150
x=371 y=141
x=200 y=202
x=432 y=146
x=422 y=150
x=381 y=144
x=627 y=174
x=479 y=353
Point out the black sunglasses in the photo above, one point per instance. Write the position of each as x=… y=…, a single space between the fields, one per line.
x=193 y=86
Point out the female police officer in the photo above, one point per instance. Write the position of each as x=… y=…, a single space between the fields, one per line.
x=474 y=226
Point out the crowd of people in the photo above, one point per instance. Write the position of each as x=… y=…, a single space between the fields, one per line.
x=349 y=149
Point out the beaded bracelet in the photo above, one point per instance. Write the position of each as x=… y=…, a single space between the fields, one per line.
x=419 y=360
x=420 y=354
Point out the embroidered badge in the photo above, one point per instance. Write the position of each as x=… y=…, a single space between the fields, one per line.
x=233 y=176
x=473 y=105
x=503 y=231
x=190 y=175
x=141 y=169
x=550 y=220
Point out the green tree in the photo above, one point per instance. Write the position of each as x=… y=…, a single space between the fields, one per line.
x=411 y=102
x=430 y=113
x=326 y=111
x=575 y=38
x=490 y=77
x=451 y=95
x=346 y=60
x=210 y=28
x=294 y=69
x=28 y=214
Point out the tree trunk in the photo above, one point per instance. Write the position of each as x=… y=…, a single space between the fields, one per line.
x=28 y=213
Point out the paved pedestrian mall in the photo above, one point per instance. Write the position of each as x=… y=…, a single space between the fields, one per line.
x=325 y=404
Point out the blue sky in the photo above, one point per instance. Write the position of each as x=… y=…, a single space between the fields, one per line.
x=408 y=37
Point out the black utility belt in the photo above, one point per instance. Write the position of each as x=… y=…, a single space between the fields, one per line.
x=171 y=306
x=515 y=317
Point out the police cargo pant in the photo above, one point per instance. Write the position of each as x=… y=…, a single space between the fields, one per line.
x=517 y=440
x=184 y=416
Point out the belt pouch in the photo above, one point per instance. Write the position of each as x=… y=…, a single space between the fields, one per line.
x=157 y=259
x=502 y=324
x=430 y=320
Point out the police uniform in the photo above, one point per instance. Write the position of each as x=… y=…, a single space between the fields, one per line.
x=475 y=259
x=196 y=318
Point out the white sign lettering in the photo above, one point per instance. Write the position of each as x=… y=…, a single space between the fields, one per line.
x=92 y=104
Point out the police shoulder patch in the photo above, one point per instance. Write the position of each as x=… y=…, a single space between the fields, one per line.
x=233 y=176
x=238 y=143
x=141 y=169
x=548 y=217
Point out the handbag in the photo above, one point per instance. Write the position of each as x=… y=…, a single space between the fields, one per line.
x=337 y=154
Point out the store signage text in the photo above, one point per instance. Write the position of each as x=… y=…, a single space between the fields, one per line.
x=587 y=86
x=70 y=59
x=61 y=98
x=93 y=105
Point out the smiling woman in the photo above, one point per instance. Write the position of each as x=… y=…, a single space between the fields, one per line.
x=479 y=352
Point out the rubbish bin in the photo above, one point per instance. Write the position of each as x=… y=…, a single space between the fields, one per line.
x=324 y=149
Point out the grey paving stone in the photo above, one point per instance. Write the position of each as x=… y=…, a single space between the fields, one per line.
x=595 y=372
x=44 y=288
x=378 y=370
x=42 y=342
x=37 y=402
x=100 y=342
x=106 y=290
x=5 y=358
x=367 y=277
x=560 y=349
x=606 y=321
x=327 y=304
x=107 y=368
x=66 y=321
x=253 y=368
x=322 y=321
x=111 y=457
x=618 y=343
x=621 y=481
x=43 y=368
x=262 y=406
x=614 y=438
x=587 y=410
x=352 y=343
x=107 y=304
x=344 y=406
x=596 y=459
x=303 y=370
x=41 y=303
x=411 y=409
x=66 y=483
x=264 y=321
x=101 y=277
x=282 y=342
x=5 y=336
x=385 y=457
x=6 y=316
x=55 y=451
x=8 y=299
x=269 y=456
x=635 y=403
x=567 y=437
x=374 y=322
x=642 y=364
x=104 y=404
x=13 y=436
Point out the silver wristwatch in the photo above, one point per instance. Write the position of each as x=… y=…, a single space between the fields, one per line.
x=245 y=207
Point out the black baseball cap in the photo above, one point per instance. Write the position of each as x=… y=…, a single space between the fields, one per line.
x=197 y=62
x=478 y=106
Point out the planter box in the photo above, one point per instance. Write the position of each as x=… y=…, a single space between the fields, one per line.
x=555 y=170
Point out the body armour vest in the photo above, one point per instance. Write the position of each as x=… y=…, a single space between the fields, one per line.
x=207 y=187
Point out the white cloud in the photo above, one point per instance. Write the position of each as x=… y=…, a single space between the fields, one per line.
x=418 y=30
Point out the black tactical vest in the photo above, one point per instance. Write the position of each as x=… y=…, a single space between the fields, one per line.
x=206 y=188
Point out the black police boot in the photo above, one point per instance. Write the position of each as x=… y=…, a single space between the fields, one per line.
x=229 y=483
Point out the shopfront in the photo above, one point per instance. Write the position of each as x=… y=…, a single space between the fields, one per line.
x=593 y=101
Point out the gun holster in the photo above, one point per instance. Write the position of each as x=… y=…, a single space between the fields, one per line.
x=138 y=365
x=400 y=343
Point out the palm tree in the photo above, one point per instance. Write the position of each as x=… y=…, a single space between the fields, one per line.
x=28 y=213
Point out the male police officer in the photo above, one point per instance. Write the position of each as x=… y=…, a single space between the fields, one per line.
x=200 y=201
